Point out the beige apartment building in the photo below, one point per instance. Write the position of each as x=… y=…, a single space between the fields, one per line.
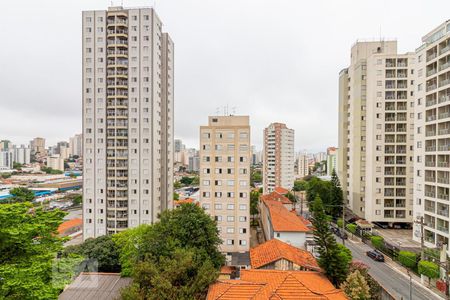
x=127 y=119
x=225 y=178
x=375 y=160
x=302 y=165
x=432 y=131
x=278 y=157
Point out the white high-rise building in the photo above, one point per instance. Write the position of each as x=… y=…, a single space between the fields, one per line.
x=76 y=145
x=278 y=159
x=432 y=137
x=128 y=75
x=22 y=154
x=302 y=165
x=331 y=160
x=376 y=134
x=225 y=178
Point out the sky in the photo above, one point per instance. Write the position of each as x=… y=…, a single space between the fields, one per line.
x=276 y=61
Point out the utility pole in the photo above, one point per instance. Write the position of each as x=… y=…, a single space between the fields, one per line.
x=422 y=242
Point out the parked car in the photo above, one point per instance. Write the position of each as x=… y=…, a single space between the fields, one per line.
x=375 y=255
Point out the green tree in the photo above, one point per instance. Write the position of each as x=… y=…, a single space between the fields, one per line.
x=351 y=227
x=336 y=196
x=321 y=188
x=356 y=287
x=17 y=165
x=175 y=258
x=177 y=185
x=102 y=249
x=195 y=181
x=72 y=175
x=339 y=222
x=254 y=200
x=185 y=180
x=333 y=259
x=375 y=287
x=77 y=200
x=255 y=176
x=428 y=269
x=176 y=196
x=28 y=248
x=49 y=170
x=407 y=259
x=377 y=242
x=300 y=185
x=21 y=194
x=177 y=276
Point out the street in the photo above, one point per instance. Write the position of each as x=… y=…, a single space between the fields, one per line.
x=394 y=281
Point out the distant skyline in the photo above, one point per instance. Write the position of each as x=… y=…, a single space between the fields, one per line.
x=277 y=61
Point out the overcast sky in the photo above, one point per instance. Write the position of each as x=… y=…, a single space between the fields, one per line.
x=277 y=61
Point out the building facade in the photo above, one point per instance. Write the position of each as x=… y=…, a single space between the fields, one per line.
x=225 y=178
x=127 y=119
x=331 y=160
x=56 y=162
x=278 y=158
x=376 y=140
x=37 y=146
x=76 y=145
x=432 y=137
x=22 y=154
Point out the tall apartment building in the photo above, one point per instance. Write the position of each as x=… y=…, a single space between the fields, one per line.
x=22 y=154
x=331 y=160
x=278 y=159
x=376 y=134
x=127 y=119
x=76 y=145
x=225 y=178
x=37 y=146
x=302 y=165
x=432 y=132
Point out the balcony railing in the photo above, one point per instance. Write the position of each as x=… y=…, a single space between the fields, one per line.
x=430 y=164
x=429 y=208
x=442 y=228
x=443 y=196
x=444 y=98
x=431 y=118
x=443 y=164
x=431 y=72
x=431 y=56
x=444 y=131
x=444 y=115
x=444 y=82
x=430 y=194
x=431 y=102
x=444 y=180
x=431 y=87
x=442 y=212
x=444 y=66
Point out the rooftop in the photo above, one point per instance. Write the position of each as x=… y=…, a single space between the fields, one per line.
x=283 y=219
x=275 y=250
x=281 y=190
x=95 y=286
x=69 y=224
x=275 y=196
x=273 y=284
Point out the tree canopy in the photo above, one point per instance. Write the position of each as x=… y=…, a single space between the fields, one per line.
x=356 y=287
x=21 y=194
x=334 y=259
x=28 y=248
x=336 y=196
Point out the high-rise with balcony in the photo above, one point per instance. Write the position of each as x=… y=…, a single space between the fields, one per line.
x=127 y=119
x=278 y=157
x=225 y=178
x=376 y=127
x=432 y=132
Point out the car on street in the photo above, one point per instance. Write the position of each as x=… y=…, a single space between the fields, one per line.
x=375 y=255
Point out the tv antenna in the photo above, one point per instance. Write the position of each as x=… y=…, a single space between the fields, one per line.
x=233 y=110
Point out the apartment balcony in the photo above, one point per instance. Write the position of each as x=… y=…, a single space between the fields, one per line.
x=401 y=118
x=444 y=131
x=390 y=119
x=443 y=196
x=431 y=118
x=444 y=98
x=431 y=87
x=430 y=163
x=388 y=214
x=117 y=22
x=117 y=33
x=430 y=102
x=117 y=43
x=431 y=56
x=445 y=49
x=444 y=180
x=431 y=72
x=444 y=66
x=443 y=164
x=402 y=65
x=430 y=194
x=430 y=179
x=429 y=208
x=444 y=148
x=401 y=74
x=442 y=228
x=442 y=212
x=444 y=82
x=444 y=115
x=430 y=148
x=430 y=133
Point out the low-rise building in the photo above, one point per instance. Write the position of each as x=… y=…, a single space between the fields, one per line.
x=56 y=162
x=274 y=284
x=278 y=255
x=281 y=223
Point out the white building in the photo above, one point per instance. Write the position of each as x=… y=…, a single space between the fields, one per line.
x=331 y=160
x=22 y=154
x=76 y=145
x=56 y=162
x=302 y=165
x=278 y=160
x=432 y=137
x=376 y=132
x=127 y=119
x=225 y=178
x=7 y=158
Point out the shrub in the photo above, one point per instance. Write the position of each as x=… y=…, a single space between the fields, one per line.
x=351 y=228
x=377 y=241
x=340 y=222
x=429 y=269
x=407 y=259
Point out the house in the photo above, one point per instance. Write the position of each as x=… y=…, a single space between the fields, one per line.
x=281 y=190
x=280 y=223
x=275 y=284
x=274 y=196
x=278 y=255
x=70 y=227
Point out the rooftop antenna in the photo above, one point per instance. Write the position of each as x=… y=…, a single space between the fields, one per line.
x=233 y=110
x=217 y=111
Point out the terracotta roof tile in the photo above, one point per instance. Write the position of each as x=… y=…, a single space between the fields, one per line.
x=69 y=224
x=284 y=220
x=274 y=196
x=273 y=284
x=275 y=249
x=281 y=190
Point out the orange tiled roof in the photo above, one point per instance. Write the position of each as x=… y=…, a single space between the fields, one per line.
x=281 y=190
x=284 y=220
x=274 y=196
x=226 y=269
x=276 y=285
x=69 y=224
x=275 y=249
x=183 y=201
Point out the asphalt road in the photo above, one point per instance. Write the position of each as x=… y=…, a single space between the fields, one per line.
x=394 y=281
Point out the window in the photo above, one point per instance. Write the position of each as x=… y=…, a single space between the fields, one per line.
x=242 y=206
x=206 y=182
x=230 y=242
x=278 y=234
x=230 y=182
x=205 y=206
x=230 y=218
x=242 y=230
x=218 y=206
x=242 y=242
x=242 y=219
x=230 y=206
